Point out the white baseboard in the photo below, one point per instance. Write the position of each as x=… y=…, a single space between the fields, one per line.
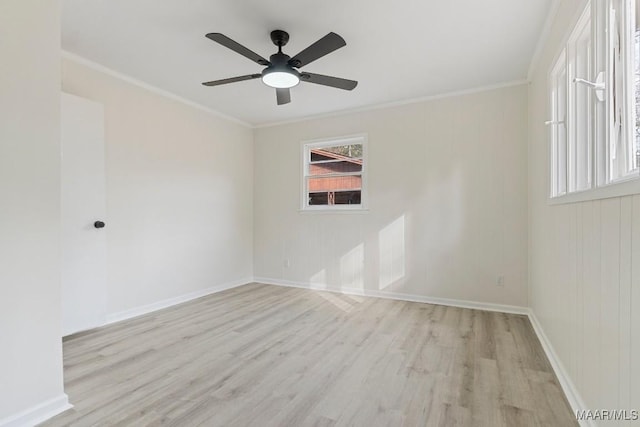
x=145 y=309
x=570 y=390
x=39 y=413
x=513 y=309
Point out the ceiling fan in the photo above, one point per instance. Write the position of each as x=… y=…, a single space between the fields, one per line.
x=281 y=70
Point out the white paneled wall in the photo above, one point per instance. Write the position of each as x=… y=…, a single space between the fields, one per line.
x=447 y=202
x=586 y=293
x=634 y=344
x=584 y=265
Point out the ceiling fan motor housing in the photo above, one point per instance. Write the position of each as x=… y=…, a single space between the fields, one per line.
x=279 y=37
x=279 y=60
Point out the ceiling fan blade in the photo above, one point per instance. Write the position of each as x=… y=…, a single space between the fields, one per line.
x=283 y=96
x=237 y=47
x=336 y=82
x=322 y=47
x=232 y=80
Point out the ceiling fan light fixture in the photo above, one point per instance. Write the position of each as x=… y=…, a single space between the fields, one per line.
x=281 y=70
x=281 y=79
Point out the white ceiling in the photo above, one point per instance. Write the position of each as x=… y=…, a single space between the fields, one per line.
x=396 y=49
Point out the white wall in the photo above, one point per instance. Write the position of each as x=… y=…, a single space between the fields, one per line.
x=584 y=265
x=30 y=345
x=447 y=198
x=179 y=192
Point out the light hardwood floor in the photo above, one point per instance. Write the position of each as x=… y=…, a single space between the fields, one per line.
x=271 y=356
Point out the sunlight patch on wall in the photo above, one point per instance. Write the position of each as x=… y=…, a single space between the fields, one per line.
x=352 y=268
x=319 y=280
x=392 y=252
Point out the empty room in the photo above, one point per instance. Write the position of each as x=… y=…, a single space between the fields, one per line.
x=304 y=213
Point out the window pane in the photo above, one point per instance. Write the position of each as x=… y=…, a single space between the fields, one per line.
x=636 y=82
x=318 y=199
x=561 y=134
x=616 y=112
x=353 y=151
x=622 y=112
x=335 y=198
x=347 y=197
x=582 y=135
x=335 y=166
x=333 y=174
x=336 y=183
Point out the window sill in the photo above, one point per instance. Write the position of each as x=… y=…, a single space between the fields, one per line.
x=339 y=211
x=627 y=187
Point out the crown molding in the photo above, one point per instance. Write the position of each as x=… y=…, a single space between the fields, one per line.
x=170 y=95
x=393 y=104
x=154 y=89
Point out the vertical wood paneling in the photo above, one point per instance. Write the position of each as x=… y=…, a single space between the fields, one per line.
x=610 y=297
x=591 y=292
x=634 y=377
x=596 y=261
x=625 y=300
x=572 y=301
x=579 y=315
x=564 y=284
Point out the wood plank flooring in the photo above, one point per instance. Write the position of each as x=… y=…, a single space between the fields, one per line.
x=262 y=355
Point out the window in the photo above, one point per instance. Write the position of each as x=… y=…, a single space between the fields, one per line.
x=623 y=89
x=334 y=173
x=594 y=94
x=558 y=82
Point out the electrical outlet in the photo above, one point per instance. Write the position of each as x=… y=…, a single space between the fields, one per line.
x=500 y=281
